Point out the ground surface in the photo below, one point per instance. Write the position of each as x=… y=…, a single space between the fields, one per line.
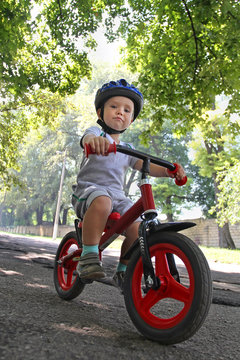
x=36 y=324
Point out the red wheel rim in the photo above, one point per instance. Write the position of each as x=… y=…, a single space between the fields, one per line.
x=169 y=289
x=67 y=276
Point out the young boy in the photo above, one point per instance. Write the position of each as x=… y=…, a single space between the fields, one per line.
x=99 y=189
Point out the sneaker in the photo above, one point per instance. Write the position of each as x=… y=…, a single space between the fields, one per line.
x=89 y=267
x=118 y=280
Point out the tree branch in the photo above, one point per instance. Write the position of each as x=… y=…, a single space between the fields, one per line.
x=60 y=9
x=195 y=39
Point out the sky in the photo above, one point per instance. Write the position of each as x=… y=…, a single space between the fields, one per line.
x=107 y=52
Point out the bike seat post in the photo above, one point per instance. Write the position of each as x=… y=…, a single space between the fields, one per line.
x=145 y=168
x=150 y=212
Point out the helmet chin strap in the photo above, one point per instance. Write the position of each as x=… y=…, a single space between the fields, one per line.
x=108 y=129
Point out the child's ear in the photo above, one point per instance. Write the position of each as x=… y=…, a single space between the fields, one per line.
x=99 y=113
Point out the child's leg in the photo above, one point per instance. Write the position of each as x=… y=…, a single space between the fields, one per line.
x=89 y=266
x=131 y=236
x=95 y=220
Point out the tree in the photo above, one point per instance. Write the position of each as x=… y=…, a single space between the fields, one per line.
x=170 y=200
x=44 y=56
x=186 y=53
x=44 y=51
x=17 y=117
x=40 y=165
x=228 y=209
x=51 y=45
x=215 y=143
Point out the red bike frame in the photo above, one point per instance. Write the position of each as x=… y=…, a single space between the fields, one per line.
x=143 y=206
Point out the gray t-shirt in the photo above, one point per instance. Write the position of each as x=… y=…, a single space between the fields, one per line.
x=107 y=171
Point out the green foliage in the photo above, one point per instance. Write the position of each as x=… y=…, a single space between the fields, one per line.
x=170 y=199
x=17 y=116
x=44 y=56
x=50 y=47
x=40 y=158
x=40 y=166
x=215 y=142
x=228 y=207
x=216 y=152
x=45 y=49
x=186 y=53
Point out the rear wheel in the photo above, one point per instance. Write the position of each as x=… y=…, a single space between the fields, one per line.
x=175 y=311
x=66 y=280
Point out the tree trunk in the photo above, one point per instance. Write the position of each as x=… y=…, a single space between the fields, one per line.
x=64 y=218
x=128 y=182
x=169 y=212
x=1 y=212
x=225 y=238
x=2 y=208
x=170 y=218
x=39 y=213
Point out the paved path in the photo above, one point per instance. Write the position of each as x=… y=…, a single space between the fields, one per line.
x=35 y=324
x=226 y=277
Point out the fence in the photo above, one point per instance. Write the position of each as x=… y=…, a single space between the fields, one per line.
x=205 y=233
x=39 y=230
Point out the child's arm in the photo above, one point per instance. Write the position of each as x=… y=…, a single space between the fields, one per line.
x=98 y=144
x=160 y=171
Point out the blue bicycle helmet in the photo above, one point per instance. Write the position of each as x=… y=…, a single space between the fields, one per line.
x=118 y=88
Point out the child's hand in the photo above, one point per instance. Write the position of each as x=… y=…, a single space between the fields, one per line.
x=179 y=175
x=99 y=145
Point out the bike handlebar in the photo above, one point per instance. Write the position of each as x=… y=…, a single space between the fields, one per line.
x=172 y=168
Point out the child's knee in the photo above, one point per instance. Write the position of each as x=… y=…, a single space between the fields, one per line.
x=102 y=204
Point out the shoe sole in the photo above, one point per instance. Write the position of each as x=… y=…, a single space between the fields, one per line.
x=92 y=276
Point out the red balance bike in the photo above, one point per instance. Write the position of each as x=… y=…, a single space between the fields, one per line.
x=167 y=286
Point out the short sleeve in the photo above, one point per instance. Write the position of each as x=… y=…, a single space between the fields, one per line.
x=132 y=159
x=92 y=130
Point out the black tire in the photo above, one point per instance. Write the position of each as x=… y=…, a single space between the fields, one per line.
x=175 y=311
x=66 y=280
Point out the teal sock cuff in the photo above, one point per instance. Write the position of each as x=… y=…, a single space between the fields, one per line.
x=121 y=267
x=89 y=249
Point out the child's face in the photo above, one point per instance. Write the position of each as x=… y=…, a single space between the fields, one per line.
x=118 y=112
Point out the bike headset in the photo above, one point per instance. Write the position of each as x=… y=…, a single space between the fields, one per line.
x=117 y=88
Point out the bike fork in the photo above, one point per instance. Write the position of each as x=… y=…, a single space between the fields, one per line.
x=150 y=278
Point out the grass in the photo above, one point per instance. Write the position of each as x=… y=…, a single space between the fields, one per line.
x=31 y=236
x=225 y=256
x=220 y=255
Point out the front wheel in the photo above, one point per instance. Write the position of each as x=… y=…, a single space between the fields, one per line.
x=176 y=310
x=66 y=280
